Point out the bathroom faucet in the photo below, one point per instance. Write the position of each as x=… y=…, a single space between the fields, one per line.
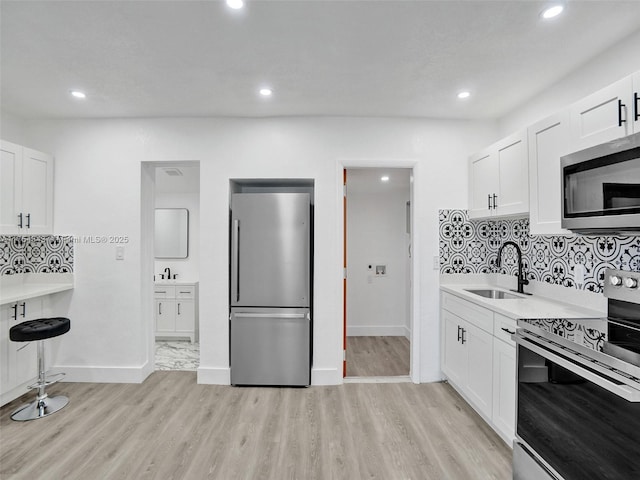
x=522 y=281
x=168 y=272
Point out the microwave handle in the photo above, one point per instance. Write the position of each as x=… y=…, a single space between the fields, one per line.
x=623 y=391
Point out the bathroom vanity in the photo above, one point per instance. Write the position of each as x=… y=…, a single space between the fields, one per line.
x=176 y=310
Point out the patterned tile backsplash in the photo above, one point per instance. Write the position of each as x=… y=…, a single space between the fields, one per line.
x=471 y=246
x=36 y=254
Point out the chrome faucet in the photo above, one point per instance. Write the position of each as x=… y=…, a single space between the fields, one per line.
x=522 y=281
x=168 y=272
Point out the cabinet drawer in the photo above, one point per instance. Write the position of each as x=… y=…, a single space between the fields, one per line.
x=504 y=327
x=188 y=291
x=168 y=291
x=472 y=313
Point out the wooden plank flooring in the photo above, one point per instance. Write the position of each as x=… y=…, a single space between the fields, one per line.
x=171 y=428
x=377 y=356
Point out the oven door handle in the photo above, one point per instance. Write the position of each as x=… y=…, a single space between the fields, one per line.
x=622 y=391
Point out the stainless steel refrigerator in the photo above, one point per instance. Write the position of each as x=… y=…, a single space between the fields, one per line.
x=270 y=284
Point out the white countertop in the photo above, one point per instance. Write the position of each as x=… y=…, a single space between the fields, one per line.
x=526 y=306
x=24 y=286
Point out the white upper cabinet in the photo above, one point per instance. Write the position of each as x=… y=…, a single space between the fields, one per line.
x=548 y=141
x=26 y=177
x=483 y=182
x=498 y=179
x=604 y=115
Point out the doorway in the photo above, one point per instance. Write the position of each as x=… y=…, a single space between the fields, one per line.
x=378 y=260
x=176 y=265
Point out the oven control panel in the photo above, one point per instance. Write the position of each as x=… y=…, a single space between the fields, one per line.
x=622 y=285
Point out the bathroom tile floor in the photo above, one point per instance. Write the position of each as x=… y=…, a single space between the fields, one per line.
x=177 y=355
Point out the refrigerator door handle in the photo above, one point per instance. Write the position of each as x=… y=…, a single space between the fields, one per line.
x=270 y=315
x=236 y=257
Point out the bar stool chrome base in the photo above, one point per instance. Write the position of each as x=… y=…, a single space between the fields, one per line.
x=39 y=408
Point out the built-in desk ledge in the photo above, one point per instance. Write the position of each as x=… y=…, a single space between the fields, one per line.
x=547 y=301
x=23 y=286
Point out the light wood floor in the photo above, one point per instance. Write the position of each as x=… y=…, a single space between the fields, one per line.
x=171 y=428
x=377 y=356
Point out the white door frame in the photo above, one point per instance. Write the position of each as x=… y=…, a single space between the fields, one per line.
x=414 y=307
x=147 y=259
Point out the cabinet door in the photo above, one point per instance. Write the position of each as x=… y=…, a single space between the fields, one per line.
x=185 y=316
x=454 y=355
x=599 y=117
x=165 y=316
x=479 y=345
x=23 y=362
x=504 y=388
x=37 y=191
x=513 y=173
x=10 y=187
x=483 y=183
x=548 y=141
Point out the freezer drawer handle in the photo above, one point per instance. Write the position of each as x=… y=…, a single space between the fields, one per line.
x=270 y=315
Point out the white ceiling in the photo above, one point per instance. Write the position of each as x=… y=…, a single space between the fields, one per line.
x=363 y=58
x=188 y=182
x=368 y=180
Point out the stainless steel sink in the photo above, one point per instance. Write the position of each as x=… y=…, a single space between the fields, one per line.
x=494 y=294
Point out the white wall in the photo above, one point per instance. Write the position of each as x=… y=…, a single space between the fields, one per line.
x=97 y=191
x=377 y=235
x=12 y=128
x=615 y=63
x=188 y=268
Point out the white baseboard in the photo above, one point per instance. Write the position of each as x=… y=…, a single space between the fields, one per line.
x=214 y=375
x=326 y=376
x=378 y=331
x=96 y=374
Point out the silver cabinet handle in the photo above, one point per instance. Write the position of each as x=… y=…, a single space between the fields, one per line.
x=159 y=308
x=178 y=309
x=508 y=331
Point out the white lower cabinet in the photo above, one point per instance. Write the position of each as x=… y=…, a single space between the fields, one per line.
x=478 y=360
x=176 y=310
x=504 y=388
x=18 y=367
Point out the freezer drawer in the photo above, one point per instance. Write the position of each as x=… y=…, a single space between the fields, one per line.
x=271 y=347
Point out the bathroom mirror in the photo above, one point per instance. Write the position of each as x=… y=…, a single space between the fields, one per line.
x=172 y=233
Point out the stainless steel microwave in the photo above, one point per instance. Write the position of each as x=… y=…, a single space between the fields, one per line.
x=601 y=188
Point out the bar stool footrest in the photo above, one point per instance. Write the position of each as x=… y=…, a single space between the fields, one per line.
x=49 y=380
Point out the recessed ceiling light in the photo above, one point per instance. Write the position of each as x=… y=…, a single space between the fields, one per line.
x=385 y=178
x=464 y=94
x=78 y=94
x=235 y=4
x=552 y=11
x=266 y=92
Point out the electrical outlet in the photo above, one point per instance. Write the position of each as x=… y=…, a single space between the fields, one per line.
x=119 y=253
x=436 y=262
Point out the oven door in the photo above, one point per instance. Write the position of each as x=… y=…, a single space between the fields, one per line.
x=573 y=421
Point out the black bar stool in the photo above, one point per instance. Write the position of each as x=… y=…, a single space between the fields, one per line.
x=39 y=330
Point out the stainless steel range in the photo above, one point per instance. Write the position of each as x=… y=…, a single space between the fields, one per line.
x=578 y=407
